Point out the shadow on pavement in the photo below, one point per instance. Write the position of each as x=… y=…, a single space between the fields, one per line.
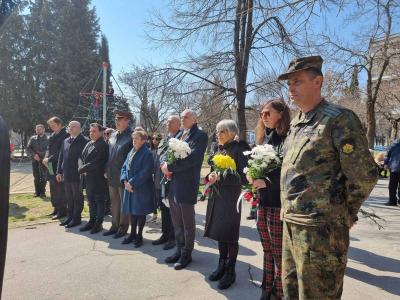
x=375 y=261
x=204 y=262
x=388 y=283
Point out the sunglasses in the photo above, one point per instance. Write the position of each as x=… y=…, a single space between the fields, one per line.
x=264 y=114
x=156 y=139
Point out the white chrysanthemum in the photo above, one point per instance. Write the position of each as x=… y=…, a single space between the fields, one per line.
x=178 y=148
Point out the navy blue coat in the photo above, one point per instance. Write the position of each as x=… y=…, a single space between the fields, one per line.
x=138 y=171
x=186 y=172
x=392 y=158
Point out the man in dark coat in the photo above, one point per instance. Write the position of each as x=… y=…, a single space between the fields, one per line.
x=51 y=161
x=94 y=160
x=184 y=187
x=120 y=143
x=67 y=171
x=167 y=228
x=36 y=148
x=392 y=162
x=106 y=135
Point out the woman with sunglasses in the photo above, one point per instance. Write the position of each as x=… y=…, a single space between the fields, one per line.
x=271 y=129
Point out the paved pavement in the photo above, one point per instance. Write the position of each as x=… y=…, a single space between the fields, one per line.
x=21 y=179
x=49 y=262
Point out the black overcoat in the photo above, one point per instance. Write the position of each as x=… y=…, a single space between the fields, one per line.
x=94 y=161
x=222 y=217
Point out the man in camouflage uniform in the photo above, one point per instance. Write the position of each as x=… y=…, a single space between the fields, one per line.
x=327 y=173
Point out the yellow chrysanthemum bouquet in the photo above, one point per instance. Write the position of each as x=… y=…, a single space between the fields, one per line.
x=222 y=165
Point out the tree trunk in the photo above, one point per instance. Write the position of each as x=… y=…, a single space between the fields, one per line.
x=241 y=113
x=395 y=130
x=371 y=123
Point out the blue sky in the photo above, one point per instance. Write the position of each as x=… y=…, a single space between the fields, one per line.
x=123 y=22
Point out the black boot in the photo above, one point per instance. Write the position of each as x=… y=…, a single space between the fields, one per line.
x=131 y=238
x=229 y=276
x=184 y=261
x=174 y=257
x=89 y=225
x=138 y=242
x=219 y=272
x=98 y=226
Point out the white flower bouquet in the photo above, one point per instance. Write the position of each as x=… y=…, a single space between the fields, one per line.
x=177 y=149
x=262 y=160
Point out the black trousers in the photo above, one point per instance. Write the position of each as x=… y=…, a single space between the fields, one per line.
x=74 y=195
x=39 y=177
x=393 y=187
x=167 y=227
x=57 y=195
x=97 y=201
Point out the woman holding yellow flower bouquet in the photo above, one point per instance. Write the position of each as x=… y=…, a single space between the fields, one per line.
x=222 y=218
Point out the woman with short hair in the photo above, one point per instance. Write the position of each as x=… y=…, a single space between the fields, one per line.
x=222 y=217
x=271 y=129
x=137 y=178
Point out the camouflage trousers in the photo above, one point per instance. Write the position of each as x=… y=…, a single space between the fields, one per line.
x=314 y=261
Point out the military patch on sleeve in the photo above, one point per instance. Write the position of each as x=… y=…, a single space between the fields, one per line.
x=348 y=148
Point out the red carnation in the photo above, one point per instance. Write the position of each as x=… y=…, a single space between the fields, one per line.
x=248 y=196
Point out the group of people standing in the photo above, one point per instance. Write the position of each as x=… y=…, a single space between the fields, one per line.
x=307 y=205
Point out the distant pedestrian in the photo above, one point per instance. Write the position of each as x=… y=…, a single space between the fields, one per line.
x=392 y=162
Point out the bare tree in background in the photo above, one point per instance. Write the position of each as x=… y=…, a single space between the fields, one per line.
x=371 y=50
x=153 y=95
x=240 y=40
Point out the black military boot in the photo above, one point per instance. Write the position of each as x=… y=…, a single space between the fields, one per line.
x=89 y=225
x=229 y=276
x=219 y=272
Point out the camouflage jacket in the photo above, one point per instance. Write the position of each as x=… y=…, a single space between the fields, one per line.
x=327 y=170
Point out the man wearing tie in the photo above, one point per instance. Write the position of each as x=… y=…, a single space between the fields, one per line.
x=94 y=160
x=184 y=187
x=67 y=171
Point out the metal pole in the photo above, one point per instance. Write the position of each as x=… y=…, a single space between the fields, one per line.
x=105 y=67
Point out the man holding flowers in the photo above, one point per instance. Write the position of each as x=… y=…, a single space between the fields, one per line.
x=184 y=172
x=222 y=218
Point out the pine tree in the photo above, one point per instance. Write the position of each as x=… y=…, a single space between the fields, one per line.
x=6 y=8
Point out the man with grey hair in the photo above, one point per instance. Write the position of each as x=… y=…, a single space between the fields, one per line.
x=67 y=171
x=36 y=148
x=185 y=174
x=173 y=125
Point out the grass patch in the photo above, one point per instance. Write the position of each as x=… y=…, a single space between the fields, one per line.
x=25 y=209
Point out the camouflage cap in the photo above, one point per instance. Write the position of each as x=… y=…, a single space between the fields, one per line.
x=303 y=63
x=120 y=113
